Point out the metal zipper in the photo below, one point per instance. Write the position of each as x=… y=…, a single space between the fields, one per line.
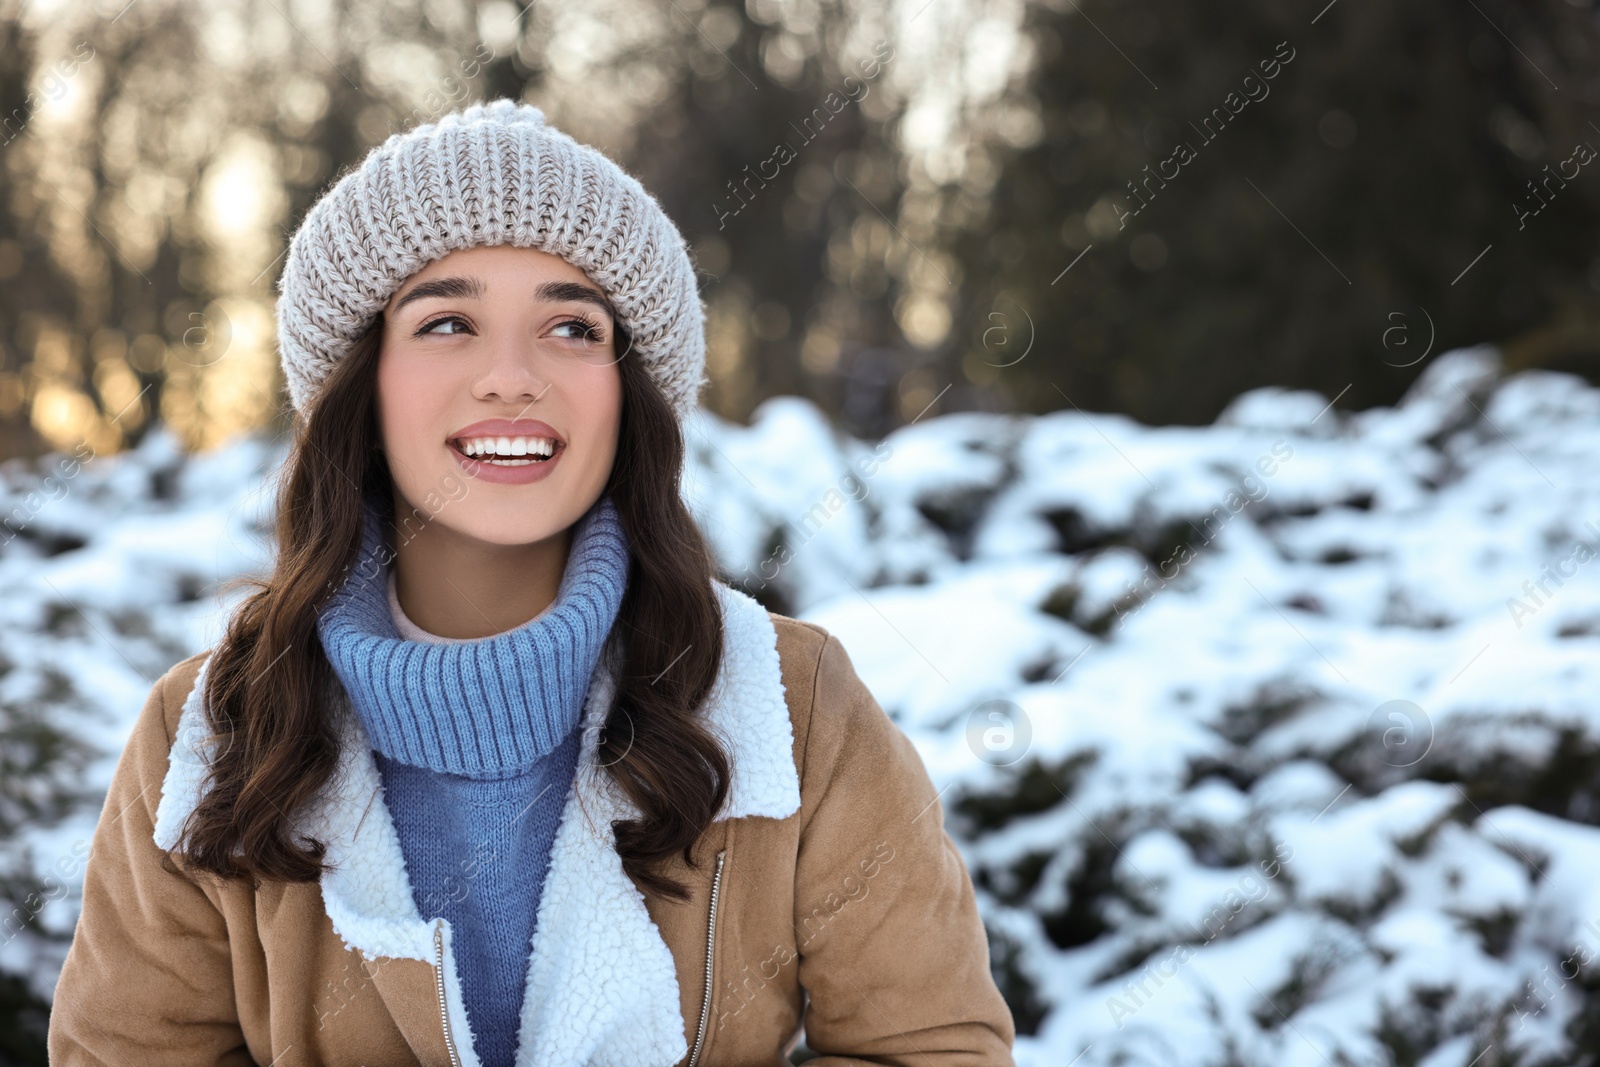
x=711 y=942
x=444 y=1013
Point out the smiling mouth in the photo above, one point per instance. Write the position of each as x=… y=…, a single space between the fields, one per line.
x=496 y=459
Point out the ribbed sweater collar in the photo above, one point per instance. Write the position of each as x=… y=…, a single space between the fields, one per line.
x=487 y=708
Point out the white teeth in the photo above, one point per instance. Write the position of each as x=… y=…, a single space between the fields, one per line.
x=507 y=447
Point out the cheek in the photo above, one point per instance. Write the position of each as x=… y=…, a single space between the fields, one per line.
x=407 y=395
x=598 y=395
x=404 y=382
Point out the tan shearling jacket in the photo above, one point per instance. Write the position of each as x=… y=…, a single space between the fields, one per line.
x=828 y=892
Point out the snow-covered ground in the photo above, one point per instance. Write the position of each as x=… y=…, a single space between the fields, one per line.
x=1270 y=742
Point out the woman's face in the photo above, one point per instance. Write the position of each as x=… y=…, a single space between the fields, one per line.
x=490 y=347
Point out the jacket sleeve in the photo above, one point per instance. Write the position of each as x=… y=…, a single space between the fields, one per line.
x=893 y=955
x=148 y=978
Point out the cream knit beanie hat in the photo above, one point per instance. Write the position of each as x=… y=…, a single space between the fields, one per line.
x=491 y=174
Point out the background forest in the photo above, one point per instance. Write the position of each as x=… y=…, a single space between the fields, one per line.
x=922 y=232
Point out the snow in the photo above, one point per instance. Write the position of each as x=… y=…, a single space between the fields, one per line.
x=1268 y=742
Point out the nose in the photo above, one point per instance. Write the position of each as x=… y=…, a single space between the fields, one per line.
x=511 y=374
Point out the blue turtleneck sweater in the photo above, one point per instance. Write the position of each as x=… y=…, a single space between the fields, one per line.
x=476 y=743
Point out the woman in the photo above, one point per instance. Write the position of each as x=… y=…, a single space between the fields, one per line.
x=492 y=769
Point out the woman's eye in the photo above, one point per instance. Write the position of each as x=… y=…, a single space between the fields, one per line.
x=585 y=330
x=428 y=328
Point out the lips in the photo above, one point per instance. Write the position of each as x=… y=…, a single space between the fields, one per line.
x=513 y=470
x=507 y=428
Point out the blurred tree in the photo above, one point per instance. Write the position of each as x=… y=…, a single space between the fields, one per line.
x=150 y=276
x=774 y=153
x=1317 y=221
x=103 y=189
x=1321 y=235
x=29 y=278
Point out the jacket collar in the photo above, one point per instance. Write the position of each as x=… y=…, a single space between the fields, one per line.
x=596 y=954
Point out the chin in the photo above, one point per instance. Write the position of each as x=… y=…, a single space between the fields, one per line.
x=527 y=523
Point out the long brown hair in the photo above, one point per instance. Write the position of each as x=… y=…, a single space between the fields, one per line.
x=268 y=679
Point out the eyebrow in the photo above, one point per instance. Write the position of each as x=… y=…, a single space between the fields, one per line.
x=473 y=288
